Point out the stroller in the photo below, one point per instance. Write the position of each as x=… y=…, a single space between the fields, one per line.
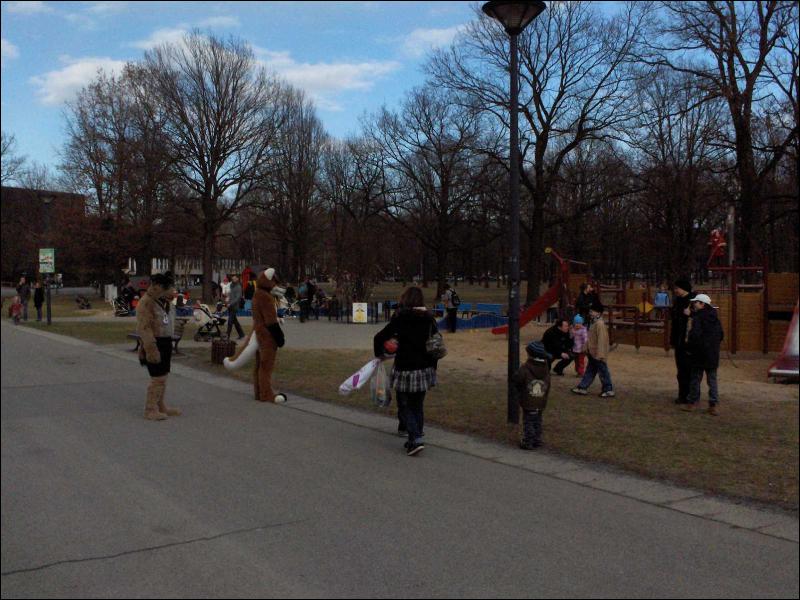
x=209 y=323
x=121 y=307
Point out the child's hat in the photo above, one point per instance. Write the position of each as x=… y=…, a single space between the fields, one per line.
x=702 y=298
x=578 y=320
x=537 y=349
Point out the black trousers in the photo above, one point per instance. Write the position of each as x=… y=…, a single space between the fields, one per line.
x=452 y=316
x=563 y=363
x=411 y=413
x=683 y=363
x=233 y=320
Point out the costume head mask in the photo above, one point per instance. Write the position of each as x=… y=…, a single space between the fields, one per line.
x=268 y=280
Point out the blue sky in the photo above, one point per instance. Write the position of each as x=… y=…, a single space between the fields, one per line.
x=351 y=57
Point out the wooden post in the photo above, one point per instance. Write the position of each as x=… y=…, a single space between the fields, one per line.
x=636 y=328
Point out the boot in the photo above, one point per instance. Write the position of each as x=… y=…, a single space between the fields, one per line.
x=161 y=389
x=151 y=411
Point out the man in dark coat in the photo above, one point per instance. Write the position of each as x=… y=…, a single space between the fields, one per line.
x=558 y=344
x=679 y=319
x=586 y=299
x=704 y=340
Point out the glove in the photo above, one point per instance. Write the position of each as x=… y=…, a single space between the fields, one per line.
x=277 y=334
x=153 y=356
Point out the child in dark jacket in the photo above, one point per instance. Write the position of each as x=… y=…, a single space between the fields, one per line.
x=533 y=386
x=703 y=342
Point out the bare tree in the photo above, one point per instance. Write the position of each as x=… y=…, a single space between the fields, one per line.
x=290 y=200
x=678 y=158
x=221 y=122
x=354 y=186
x=11 y=163
x=746 y=54
x=575 y=86
x=434 y=171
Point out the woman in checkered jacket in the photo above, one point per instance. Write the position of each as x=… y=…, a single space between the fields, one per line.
x=414 y=370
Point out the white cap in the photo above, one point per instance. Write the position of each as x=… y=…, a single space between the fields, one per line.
x=702 y=298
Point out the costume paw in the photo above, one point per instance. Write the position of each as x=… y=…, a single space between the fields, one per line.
x=280 y=398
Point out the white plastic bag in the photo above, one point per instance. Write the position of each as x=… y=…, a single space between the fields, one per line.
x=359 y=378
x=379 y=388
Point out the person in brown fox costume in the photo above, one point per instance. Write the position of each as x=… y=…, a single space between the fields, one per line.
x=265 y=339
x=155 y=324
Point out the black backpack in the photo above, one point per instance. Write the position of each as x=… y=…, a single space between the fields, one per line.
x=454 y=299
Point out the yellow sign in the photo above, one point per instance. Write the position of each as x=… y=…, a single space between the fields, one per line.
x=644 y=307
x=360 y=312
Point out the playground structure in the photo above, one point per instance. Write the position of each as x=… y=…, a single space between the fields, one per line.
x=788 y=364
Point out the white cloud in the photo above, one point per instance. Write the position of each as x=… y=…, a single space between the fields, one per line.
x=222 y=21
x=28 y=8
x=325 y=81
x=161 y=36
x=107 y=8
x=56 y=87
x=420 y=41
x=9 y=51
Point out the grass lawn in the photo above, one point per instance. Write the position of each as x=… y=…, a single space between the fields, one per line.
x=750 y=451
x=63 y=305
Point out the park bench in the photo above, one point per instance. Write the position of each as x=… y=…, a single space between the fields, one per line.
x=180 y=325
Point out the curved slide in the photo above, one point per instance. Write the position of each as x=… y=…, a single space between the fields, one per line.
x=546 y=300
x=788 y=363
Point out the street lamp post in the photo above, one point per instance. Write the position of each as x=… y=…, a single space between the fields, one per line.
x=514 y=17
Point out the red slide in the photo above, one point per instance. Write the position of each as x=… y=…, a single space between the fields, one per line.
x=549 y=298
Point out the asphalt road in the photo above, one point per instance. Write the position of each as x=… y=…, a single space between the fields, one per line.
x=239 y=499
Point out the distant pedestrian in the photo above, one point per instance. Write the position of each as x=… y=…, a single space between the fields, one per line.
x=586 y=299
x=599 y=348
x=704 y=338
x=661 y=301
x=414 y=370
x=451 y=303
x=235 y=303
x=38 y=298
x=679 y=322
x=24 y=292
x=533 y=387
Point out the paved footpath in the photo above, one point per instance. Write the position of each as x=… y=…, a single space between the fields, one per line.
x=239 y=499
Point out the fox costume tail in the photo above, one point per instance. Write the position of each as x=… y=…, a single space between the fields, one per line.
x=243 y=356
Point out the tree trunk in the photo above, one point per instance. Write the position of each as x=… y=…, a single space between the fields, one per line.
x=535 y=272
x=208 y=263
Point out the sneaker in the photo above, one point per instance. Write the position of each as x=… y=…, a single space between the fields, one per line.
x=712 y=410
x=608 y=394
x=402 y=431
x=579 y=390
x=414 y=448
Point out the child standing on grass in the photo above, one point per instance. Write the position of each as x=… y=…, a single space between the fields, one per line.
x=580 y=341
x=598 y=347
x=533 y=386
x=15 y=310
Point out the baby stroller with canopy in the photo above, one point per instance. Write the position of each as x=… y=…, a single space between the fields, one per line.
x=209 y=323
x=121 y=307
